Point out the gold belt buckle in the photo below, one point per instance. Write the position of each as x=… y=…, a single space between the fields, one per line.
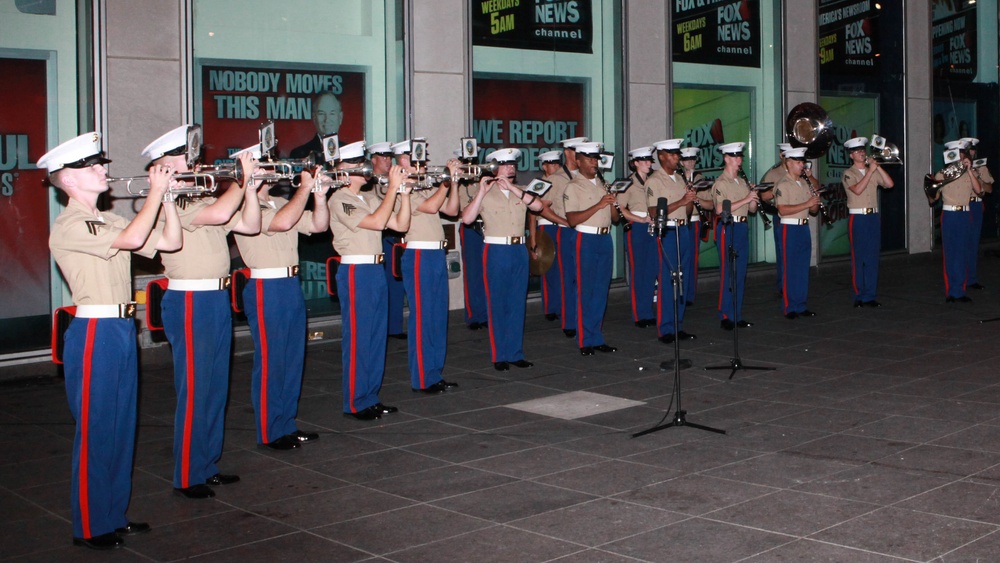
x=293 y=270
x=127 y=310
x=515 y=240
x=224 y=282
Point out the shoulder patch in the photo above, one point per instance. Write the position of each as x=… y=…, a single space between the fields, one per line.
x=348 y=208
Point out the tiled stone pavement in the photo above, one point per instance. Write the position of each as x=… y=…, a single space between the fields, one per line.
x=876 y=439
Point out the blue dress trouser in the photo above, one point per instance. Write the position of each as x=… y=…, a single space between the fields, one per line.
x=566 y=247
x=691 y=267
x=865 y=232
x=552 y=278
x=425 y=276
x=506 y=281
x=395 y=289
x=101 y=373
x=954 y=241
x=276 y=314
x=593 y=274
x=779 y=260
x=472 y=278
x=668 y=265
x=976 y=209
x=796 y=243
x=737 y=235
x=362 y=292
x=643 y=263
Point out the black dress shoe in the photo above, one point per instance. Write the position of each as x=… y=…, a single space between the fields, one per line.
x=667 y=338
x=522 y=364
x=688 y=303
x=727 y=324
x=949 y=299
x=977 y=285
x=365 y=414
x=744 y=324
x=647 y=322
x=304 y=437
x=551 y=317
x=858 y=304
x=196 y=491
x=965 y=299
x=587 y=351
x=685 y=336
x=286 y=442
x=570 y=333
x=807 y=313
x=501 y=366
x=384 y=409
x=220 y=479
x=476 y=326
x=873 y=304
x=439 y=387
x=103 y=542
x=398 y=336
x=133 y=528
x=792 y=315
x=605 y=348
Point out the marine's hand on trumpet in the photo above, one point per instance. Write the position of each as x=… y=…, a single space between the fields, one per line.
x=397 y=180
x=161 y=182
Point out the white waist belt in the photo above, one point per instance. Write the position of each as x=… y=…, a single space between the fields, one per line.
x=739 y=218
x=545 y=222
x=676 y=222
x=975 y=198
x=363 y=259
x=503 y=240
x=592 y=230
x=955 y=207
x=119 y=311
x=274 y=273
x=862 y=210
x=213 y=284
x=794 y=221
x=640 y=213
x=426 y=244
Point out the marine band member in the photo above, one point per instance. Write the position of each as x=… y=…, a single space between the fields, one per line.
x=976 y=209
x=796 y=203
x=733 y=237
x=567 y=252
x=550 y=222
x=640 y=248
x=956 y=221
x=861 y=182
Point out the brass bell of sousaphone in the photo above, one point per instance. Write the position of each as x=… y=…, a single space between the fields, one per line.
x=809 y=126
x=546 y=254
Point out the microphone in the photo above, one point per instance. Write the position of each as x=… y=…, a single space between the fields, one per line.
x=726 y=216
x=661 y=216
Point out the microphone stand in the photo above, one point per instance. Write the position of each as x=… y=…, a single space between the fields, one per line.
x=680 y=415
x=735 y=363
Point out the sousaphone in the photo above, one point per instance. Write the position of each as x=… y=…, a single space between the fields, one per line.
x=809 y=126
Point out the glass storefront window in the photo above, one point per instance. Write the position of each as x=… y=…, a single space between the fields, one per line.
x=339 y=70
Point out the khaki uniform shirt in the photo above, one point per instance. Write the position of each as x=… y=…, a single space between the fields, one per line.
x=81 y=245
x=346 y=212
x=557 y=192
x=273 y=250
x=776 y=173
x=205 y=254
x=582 y=194
x=867 y=198
x=503 y=215
x=634 y=198
x=660 y=184
x=424 y=227
x=792 y=191
x=958 y=192
x=733 y=189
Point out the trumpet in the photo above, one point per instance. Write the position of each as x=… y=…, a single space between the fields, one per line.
x=763 y=216
x=342 y=177
x=882 y=152
x=203 y=184
x=289 y=166
x=477 y=171
x=279 y=171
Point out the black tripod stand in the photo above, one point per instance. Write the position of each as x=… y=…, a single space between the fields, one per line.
x=676 y=279
x=735 y=364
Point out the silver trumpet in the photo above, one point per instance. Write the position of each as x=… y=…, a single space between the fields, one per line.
x=342 y=177
x=202 y=184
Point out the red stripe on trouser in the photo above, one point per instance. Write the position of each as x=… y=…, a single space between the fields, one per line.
x=489 y=306
x=353 y=377
x=579 y=291
x=418 y=305
x=465 y=280
x=723 y=260
x=263 y=360
x=631 y=264
x=659 y=285
x=189 y=375
x=854 y=259
x=784 y=265
x=562 y=283
x=84 y=477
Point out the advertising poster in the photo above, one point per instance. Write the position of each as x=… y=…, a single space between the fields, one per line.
x=854 y=116
x=541 y=25
x=526 y=114
x=716 y=32
x=707 y=118
x=25 y=302
x=238 y=97
x=954 y=40
x=848 y=32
